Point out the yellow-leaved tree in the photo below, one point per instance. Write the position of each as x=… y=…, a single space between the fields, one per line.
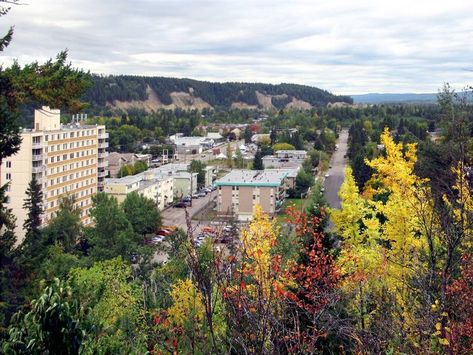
x=258 y=239
x=384 y=243
x=187 y=304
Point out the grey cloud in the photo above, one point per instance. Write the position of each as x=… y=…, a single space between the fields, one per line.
x=343 y=46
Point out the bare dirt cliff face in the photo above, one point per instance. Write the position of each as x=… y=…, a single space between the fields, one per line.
x=183 y=100
x=299 y=104
x=264 y=100
x=152 y=103
x=187 y=101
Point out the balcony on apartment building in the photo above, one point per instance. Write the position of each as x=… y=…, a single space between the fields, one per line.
x=103 y=135
x=102 y=155
x=103 y=144
x=102 y=163
x=37 y=169
x=37 y=157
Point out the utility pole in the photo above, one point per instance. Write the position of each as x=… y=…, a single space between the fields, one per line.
x=190 y=192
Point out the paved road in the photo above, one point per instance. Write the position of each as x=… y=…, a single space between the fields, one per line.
x=177 y=216
x=336 y=172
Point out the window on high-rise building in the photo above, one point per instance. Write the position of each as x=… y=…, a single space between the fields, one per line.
x=8 y=163
x=8 y=176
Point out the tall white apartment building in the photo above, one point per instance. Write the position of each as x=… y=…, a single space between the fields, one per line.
x=65 y=159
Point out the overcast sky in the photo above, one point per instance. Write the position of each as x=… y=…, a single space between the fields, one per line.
x=346 y=47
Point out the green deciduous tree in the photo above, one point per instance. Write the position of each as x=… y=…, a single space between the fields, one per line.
x=114 y=300
x=239 y=161
x=198 y=167
x=283 y=146
x=142 y=213
x=53 y=325
x=112 y=235
x=304 y=181
x=65 y=228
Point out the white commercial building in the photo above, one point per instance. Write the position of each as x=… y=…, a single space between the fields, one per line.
x=285 y=159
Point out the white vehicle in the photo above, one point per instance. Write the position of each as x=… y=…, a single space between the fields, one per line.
x=157 y=239
x=327 y=175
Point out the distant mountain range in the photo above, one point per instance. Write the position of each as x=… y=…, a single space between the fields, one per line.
x=376 y=98
x=152 y=93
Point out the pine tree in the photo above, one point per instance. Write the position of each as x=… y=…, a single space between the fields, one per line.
x=247 y=135
x=258 y=161
x=7 y=263
x=273 y=136
x=34 y=205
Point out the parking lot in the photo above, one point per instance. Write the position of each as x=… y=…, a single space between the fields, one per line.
x=177 y=216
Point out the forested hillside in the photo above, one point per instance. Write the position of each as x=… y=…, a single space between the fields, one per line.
x=113 y=90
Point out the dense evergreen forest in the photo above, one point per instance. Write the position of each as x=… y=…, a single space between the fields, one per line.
x=106 y=89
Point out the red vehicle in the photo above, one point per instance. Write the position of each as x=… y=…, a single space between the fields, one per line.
x=209 y=230
x=163 y=232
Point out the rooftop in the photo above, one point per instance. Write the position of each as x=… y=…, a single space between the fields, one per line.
x=124 y=180
x=291 y=171
x=63 y=127
x=291 y=152
x=253 y=178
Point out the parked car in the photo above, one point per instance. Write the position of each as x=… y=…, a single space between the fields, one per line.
x=327 y=175
x=230 y=228
x=186 y=199
x=157 y=239
x=163 y=232
x=201 y=194
x=208 y=190
x=180 y=205
x=208 y=229
x=196 y=195
x=213 y=188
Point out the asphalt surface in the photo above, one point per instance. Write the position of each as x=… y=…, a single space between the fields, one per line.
x=336 y=173
x=177 y=216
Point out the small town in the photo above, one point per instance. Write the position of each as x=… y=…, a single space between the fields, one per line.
x=213 y=177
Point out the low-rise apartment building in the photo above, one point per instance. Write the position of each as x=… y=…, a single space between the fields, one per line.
x=65 y=160
x=158 y=188
x=191 y=145
x=284 y=159
x=210 y=172
x=241 y=190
